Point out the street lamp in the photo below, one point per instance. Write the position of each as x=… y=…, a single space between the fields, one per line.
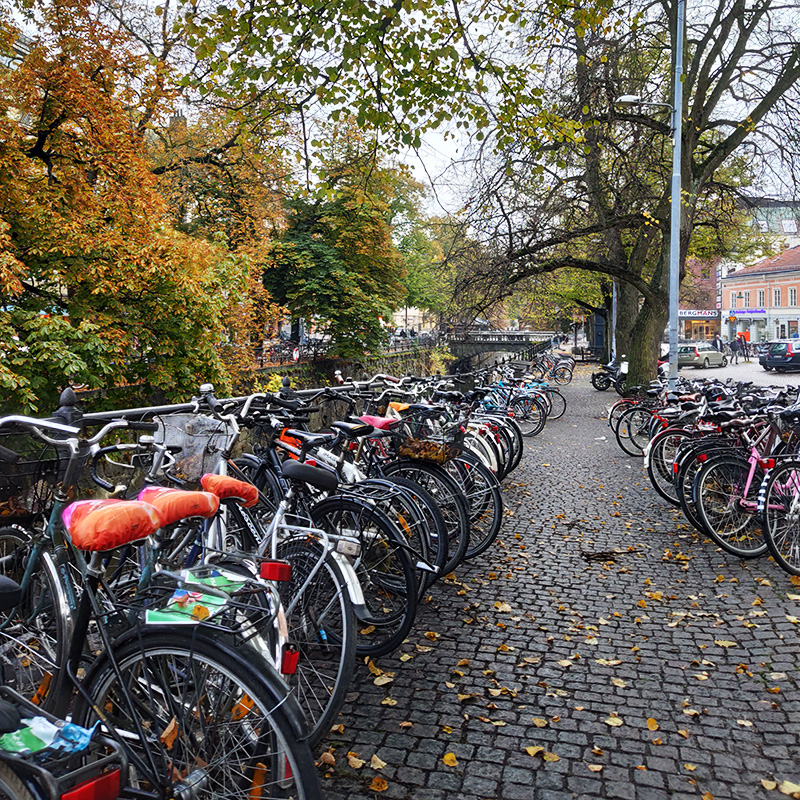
x=676 y=107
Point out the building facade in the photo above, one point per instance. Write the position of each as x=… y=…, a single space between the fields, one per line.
x=761 y=301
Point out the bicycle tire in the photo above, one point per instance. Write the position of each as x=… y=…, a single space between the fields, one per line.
x=720 y=492
x=37 y=631
x=781 y=501
x=448 y=496
x=660 y=458
x=384 y=568
x=322 y=626
x=629 y=431
x=485 y=498
x=529 y=414
x=618 y=409
x=12 y=786
x=195 y=690
x=558 y=403
x=562 y=375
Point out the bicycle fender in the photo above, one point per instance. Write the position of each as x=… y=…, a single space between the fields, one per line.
x=353 y=585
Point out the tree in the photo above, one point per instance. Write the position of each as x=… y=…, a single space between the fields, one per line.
x=595 y=195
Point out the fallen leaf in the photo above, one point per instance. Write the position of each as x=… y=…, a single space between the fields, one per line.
x=564 y=663
x=354 y=761
x=745 y=722
x=787 y=787
x=619 y=682
x=598 y=751
x=550 y=756
x=378 y=785
x=691 y=712
x=450 y=759
x=374 y=668
x=595 y=767
x=608 y=662
x=683 y=733
x=614 y=722
x=327 y=758
x=382 y=680
x=503 y=608
x=406 y=724
x=690 y=767
x=422 y=648
x=725 y=643
x=337 y=729
x=170 y=734
x=769 y=784
x=657 y=740
x=432 y=635
x=707 y=796
x=652 y=725
x=539 y=722
x=534 y=750
x=794 y=619
x=463 y=663
x=406 y=657
x=368 y=630
x=377 y=763
x=388 y=701
x=462 y=698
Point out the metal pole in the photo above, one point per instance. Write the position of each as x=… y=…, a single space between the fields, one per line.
x=614 y=320
x=675 y=212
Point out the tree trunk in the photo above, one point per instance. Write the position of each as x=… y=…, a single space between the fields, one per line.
x=627 y=311
x=645 y=343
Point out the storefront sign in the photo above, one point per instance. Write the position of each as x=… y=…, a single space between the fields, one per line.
x=748 y=312
x=697 y=313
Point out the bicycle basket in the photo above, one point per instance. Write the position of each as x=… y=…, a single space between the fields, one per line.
x=27 y=486
x=427 y=440
x=201 y=441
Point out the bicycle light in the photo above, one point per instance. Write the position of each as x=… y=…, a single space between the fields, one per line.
x=276 y=570
x=347 y=548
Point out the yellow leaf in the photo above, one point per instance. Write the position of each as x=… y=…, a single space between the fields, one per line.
x=795 y=580
x=564 y=663
x=787 y=787
x=745 y=722
x=495 y=692
x=642 y=604
x=707 y=796
x=388 y=701
x=375 y=670
x=463 y=663
x=606 y=662
x=550 y=756
x=690 y=767
x=337 y=729
x=464 y=697
x=595 y=767
x=447 y=729
x=598 y=751
x=368 y=630
x=504 y=648
x=406 y=657
x=701 y=676
x=539 y=722
x=378 y=785
x=769 y=784
x=534 y=750
x=614 y=722
x=327 y=758
x=382 y=680
x=657 y=740
x=499 y=723
x=793 y=596
x=691 y=712
x=354 y=761
x=725 y=643
x=684 y=733
x=450 y=759
x=421 y=648
x=432 y=635
x=377 y=763
x=796 y=620
x=652 y=725
x=503 y=608
x=406 y=724
x=619 y=682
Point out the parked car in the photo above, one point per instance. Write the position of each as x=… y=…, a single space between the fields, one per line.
x=700 y=354
x=781 y=355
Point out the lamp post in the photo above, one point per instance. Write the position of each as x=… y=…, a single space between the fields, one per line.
x=675 y=211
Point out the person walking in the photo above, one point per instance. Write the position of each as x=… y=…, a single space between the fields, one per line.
x=717 y=342
x=745 y=348
x=735 y=350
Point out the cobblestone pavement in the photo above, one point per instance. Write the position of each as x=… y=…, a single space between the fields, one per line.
x=645 y=663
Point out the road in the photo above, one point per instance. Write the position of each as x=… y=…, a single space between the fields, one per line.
x=746 y=371
x=633 y=658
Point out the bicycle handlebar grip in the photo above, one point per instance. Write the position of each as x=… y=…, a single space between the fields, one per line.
x=109 y=487
x=8 y=456
x=141 y=425
x=289 y=405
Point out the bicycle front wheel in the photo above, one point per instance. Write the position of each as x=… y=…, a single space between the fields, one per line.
x=202 y=717
x=781 y=515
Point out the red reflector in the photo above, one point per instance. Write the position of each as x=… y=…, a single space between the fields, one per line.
x=311 y=462
x=289 y=662
x=766 y=463
x=276 y=571
x=104 y=787
x=674 y=468
x=702 y=457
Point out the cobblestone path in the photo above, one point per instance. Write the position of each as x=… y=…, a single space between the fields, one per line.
x=633 y=657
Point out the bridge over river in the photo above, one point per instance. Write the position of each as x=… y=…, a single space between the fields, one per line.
x=475 y=343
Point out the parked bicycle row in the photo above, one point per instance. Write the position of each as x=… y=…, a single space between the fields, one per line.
x=209 y=609
x=728 y=455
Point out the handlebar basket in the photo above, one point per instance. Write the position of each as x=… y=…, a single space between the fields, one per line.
x=427 y=440
x=201 y=440
x=27 y=487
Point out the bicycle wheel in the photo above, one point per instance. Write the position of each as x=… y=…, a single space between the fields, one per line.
x=529 y=414
x=322 y=626
x=34 y=636
x=562 y=375
x=618 y=409
x=449 y=498
x=201 y=716
x=725 y=494
x=384 y=568
x=485 y=499
x=781 y=515
x=633 y=431
x=660 y=458
x=558 y=403
x=12 y=787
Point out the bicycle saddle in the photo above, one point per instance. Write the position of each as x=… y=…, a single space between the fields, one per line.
x=177 y=504
x=227 y=488
x=381 y=423
x=99 y=525
x=9 y=595
x=320 y=478
x=353 y=430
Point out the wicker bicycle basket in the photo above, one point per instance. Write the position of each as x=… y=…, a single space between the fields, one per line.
x=428 y=441
x=27 y=487
x=201 y=439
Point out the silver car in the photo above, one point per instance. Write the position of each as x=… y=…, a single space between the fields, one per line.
x=700 y=354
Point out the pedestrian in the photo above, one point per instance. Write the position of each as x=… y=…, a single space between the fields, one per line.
x=745 y=347
x=734 y=350
x=717 y=343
